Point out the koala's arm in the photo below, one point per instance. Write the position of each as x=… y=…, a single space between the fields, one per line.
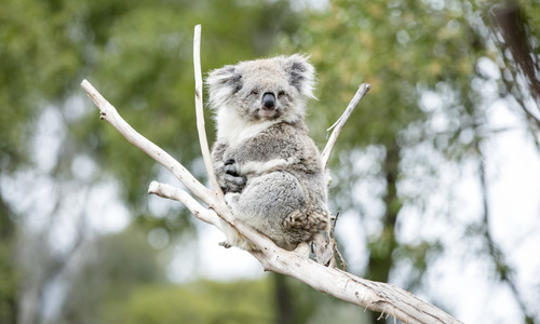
x=286 y=153
x=226 y=171
x=260 y=167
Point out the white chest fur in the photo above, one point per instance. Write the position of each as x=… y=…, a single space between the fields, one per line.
x=234 y=129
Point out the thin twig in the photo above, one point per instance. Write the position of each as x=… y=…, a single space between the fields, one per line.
x=200 y=114
x=174 y=193
x=338 y=125
x=327 y=152
x=339 y=257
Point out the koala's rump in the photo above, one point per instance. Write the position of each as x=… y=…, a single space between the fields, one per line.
x=268 y=201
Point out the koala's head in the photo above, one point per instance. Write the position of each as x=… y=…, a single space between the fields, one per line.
x=264 y=89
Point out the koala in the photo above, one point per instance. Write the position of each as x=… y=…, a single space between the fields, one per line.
x=268 y=167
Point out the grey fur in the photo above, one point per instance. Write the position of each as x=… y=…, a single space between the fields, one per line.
x=268 y=167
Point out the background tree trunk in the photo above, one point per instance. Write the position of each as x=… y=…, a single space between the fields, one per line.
x=380 y=259
x=284 y=303
x=8 y=285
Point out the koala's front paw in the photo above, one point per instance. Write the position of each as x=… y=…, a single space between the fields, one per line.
x=233 y=181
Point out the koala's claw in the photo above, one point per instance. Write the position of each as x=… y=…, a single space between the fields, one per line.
x=229 y=176
x=236 y=180
x=231 y=169
x=235 y=183
x=225 y=244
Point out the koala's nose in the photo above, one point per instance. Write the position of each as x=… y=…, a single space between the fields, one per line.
x=268 y=100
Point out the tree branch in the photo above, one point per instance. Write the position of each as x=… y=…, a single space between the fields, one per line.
x=375 y=296
x=338 y=125
x=174 y=193
x=200 y=114
x=110 y=114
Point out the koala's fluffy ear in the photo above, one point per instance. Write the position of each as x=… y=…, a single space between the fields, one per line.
x=222 y=84
x=301 y=74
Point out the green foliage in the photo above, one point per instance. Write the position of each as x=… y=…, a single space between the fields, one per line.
x=230 y=302
x=39 y=63
x=146 y=70
x=405 y=50
x=401 y=48
x=138 y=54
x=198 y=302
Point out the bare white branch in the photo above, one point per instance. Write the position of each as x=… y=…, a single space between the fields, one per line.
x=200 y=114
x=376 y=296
x=109 y=113
x=174 y=193
x=338 y=125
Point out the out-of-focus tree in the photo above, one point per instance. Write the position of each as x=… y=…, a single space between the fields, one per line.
x=146 y=67
x=230 y=302
x=141 y=53
x=8 y=279
x=430 y=65
x=37 y=65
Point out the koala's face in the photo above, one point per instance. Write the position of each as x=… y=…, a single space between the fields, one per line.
x=265 y=89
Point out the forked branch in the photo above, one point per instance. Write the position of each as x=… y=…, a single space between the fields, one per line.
x=376 y=296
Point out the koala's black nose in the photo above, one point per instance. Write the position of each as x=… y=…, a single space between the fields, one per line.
x=268 y=100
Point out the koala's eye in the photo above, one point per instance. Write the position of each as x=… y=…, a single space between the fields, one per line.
x=254 y=92
x=281 y=93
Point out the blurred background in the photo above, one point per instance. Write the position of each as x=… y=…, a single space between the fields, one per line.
x=436 y=176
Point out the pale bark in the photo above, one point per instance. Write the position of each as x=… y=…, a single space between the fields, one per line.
x=375 y=296
x=200 y=114
x=338 y=125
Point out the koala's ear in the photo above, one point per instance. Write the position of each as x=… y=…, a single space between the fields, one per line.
x=301 y=74
x=222 y=84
